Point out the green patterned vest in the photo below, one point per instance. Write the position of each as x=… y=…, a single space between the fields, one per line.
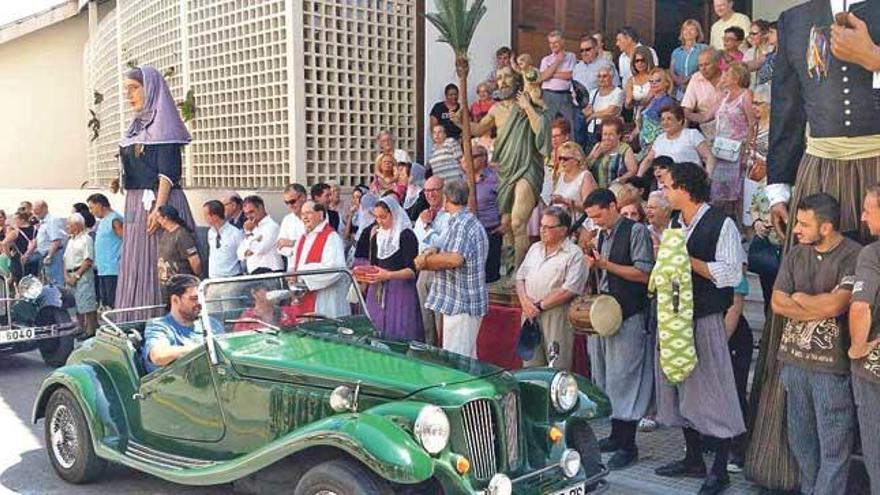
x=671 y=281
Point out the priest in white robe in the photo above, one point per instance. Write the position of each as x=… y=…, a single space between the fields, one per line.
x=319 y=249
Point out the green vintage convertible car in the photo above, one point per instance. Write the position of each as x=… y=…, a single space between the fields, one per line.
x=321 y=406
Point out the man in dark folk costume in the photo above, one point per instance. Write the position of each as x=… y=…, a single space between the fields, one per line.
x=622 y=364
x=824 y=76
x=704 y=403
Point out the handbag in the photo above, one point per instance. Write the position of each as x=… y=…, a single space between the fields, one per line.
x=757 y=163
x=726 y=149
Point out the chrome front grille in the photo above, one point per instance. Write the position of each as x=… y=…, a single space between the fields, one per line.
x=511 y=427
x=479 y=434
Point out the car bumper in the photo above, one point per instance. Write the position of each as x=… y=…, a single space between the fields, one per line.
x=41 y=333
x=545 y=481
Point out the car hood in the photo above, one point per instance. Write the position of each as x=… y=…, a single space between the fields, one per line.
x=383 y=368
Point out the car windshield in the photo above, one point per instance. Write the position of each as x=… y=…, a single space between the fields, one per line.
x=274 y=302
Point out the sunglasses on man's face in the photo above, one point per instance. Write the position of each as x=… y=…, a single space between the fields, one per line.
x=586 y=50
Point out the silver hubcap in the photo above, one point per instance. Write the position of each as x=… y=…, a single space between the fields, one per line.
x=62 y=434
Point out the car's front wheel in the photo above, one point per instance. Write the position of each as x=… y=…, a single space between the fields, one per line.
x=68 y=441
x=341 y=477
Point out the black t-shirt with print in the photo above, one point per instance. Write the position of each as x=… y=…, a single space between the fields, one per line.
x=175 y=248
x=817 y=345
x=867 y=289
x=442 y=114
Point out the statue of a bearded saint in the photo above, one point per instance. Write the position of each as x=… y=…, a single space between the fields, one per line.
x=522 y=143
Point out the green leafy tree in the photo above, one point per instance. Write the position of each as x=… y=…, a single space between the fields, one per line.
x=457 y=24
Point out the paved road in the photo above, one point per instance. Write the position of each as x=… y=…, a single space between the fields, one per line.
x=24 y=467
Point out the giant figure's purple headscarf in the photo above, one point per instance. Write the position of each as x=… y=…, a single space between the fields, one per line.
x=159 y=121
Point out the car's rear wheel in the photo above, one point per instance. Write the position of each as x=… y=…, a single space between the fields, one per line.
x=341 y=477
x=68 y=441
x=55 y=351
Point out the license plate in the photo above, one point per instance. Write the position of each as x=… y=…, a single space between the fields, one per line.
x=580 y=489
x=16 y=335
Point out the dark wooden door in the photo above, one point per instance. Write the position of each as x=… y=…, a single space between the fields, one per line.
x=534 y=19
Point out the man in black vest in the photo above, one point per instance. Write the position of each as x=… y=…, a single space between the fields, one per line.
x=825 y=75
x=622 y=364
x=705 y=403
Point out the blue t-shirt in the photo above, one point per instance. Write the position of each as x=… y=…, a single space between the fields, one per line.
x=166 y=330
x=685 y=61
x=108 y=245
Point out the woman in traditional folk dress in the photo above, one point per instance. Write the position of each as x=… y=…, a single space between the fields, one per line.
x=392 y=298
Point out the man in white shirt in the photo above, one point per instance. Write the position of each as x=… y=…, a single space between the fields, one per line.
x=50 y=242
x=257 y=249
x=555 y=78
x=429 y=229
x=321 y=248
x=627 y=40
x=223 y=242
x=386 y=142
x=292 y=227
x=727 y=17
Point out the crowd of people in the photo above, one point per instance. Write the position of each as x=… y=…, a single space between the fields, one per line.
x=654 y=192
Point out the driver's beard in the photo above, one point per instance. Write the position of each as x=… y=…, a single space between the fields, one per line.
x=503 y=94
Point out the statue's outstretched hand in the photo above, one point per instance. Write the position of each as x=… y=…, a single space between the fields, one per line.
x=523 y=100
x=455 y=117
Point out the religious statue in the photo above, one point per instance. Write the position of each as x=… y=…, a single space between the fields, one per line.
x=522 y=143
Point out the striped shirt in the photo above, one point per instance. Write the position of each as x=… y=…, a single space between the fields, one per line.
x=726 y=270
x=445 y=161
x=462 y=290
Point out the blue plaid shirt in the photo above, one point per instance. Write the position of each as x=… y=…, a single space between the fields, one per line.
x=462 y=290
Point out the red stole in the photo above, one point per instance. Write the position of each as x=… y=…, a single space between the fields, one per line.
x=315 y=254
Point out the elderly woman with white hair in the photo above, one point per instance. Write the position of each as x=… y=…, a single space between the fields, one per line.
x=658 y=211
x=79 y=274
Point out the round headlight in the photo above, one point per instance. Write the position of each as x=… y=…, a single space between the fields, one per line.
x=30 y=287
x=432 y=429
x=500 y=484
x=341 y=399
x=564 y=391
x=570 y=463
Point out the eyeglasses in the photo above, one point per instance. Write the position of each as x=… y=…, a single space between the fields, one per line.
x=639 y=61
x=656 y=81
x=548 y=227
x=586 y=50
x=480 y=156
x=754 y=33
x=566 y=158
x=433 y=189
x=291 y=202
x=604 y=76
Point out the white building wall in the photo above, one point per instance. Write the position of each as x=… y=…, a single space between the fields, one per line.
x=493 y=32
x=42 y=100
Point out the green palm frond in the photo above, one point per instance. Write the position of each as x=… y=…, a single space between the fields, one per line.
x=456 y=22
